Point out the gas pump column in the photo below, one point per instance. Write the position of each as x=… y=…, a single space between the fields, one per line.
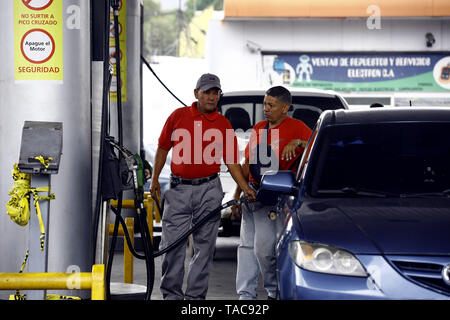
x=66 y=100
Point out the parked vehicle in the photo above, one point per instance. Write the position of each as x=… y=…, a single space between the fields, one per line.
x=368 y=212
x=245 y=108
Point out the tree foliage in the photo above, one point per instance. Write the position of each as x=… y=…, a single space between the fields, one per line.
x=193 y=5
x=162 y=27
x=160 y=30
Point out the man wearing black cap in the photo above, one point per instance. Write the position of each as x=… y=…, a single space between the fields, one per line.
x=199 y=138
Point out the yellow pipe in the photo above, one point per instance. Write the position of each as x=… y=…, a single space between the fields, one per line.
x=67 y=281
x=120 y=232
x=127 y=204
x=41 y=281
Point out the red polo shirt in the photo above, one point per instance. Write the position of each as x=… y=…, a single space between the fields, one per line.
x=284 y=133
x=199 y=142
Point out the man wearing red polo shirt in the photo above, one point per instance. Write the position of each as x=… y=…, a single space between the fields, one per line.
x=200 y=138
x=275 y=144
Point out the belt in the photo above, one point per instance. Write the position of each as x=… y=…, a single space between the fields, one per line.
x=194 y=182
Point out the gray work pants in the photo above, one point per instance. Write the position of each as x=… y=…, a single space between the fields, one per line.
x=256 y=251
x=184 y=206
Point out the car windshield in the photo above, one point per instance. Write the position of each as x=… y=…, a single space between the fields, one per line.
x=384 y=159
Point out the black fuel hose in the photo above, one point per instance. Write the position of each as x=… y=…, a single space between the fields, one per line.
x=115 y=5
x=162 y=83
x=149 y=254
x=127 y=235
x=145 y=234
x=187 y=233
x=112 y=249
x=179 y=239
x=148 y=250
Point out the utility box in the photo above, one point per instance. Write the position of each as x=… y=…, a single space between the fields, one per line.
x=41 y=139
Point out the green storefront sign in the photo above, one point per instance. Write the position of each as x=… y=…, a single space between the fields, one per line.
x=422 y=72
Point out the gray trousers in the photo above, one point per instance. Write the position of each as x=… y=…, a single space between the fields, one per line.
x=256 y=251
x=184 y=206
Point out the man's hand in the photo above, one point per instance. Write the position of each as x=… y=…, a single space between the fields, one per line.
x=160 y=159
x=289 y=151
x=238 y=175
x=236 y=212
x=155 y=189
x=249 y=193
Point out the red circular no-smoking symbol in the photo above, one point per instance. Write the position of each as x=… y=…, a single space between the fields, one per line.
x=37 y=4
x=112 y=33
x=37 y=46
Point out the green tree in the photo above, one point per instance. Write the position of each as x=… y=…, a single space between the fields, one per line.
x=160 y=30
x=193 y=5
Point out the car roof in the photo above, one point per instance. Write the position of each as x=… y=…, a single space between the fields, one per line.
x=294 y=92
x=378 y=115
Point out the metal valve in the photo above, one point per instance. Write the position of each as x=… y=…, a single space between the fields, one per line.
x=272 y=215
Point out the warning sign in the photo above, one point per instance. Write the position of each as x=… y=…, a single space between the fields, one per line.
x=38 y=40
x=123 y=52
x=37 y=46
x=37 y=4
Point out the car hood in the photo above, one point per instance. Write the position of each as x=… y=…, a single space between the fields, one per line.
x=372 y=226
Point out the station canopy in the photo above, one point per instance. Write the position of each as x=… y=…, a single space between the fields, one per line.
x=249 y=9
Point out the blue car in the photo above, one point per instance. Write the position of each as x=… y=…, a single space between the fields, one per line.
x=367 y=216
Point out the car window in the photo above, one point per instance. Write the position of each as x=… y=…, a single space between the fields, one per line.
x=259 y=112
x=322 y=103
x=240 y=115
x=307 y=108
x=308 y=114
x=393 y=157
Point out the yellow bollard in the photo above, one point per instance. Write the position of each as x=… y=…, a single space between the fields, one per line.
x=98 y=282
x=128 y=261
x=149 y=198
x=149 y=208
x=157 y=213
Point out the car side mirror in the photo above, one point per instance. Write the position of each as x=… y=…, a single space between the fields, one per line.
x=282 y=181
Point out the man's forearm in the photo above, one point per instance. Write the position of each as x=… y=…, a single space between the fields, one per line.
x=160 y=160
x=237 y=174
x=245 y=173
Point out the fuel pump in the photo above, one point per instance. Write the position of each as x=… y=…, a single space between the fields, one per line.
x=132 y=177
x=123 y=171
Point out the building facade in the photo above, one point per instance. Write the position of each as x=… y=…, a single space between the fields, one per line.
x=397 y=49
